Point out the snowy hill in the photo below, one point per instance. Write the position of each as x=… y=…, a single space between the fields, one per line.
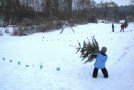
x=46 y=61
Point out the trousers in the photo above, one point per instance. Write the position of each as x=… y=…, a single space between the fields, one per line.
x=104 y=71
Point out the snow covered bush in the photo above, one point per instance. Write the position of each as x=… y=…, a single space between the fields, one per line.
x=19 y=30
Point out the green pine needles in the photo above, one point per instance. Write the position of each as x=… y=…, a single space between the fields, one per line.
x=88 y=49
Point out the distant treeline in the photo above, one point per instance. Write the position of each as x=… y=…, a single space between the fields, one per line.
x=71 y=10
x=51 y=14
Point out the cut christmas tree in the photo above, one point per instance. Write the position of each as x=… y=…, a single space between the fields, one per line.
x=88 y=49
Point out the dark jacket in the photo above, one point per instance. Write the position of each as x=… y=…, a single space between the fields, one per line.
x=112 y=25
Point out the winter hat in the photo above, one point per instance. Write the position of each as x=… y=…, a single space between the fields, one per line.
x=103 y=49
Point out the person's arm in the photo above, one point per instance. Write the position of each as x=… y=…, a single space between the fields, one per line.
x=95 y=54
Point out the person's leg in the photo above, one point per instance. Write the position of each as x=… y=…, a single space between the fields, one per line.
x=95 y=72
x=105 y=73
x=121 y=30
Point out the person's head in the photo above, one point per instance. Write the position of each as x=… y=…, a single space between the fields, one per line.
x=103 y=49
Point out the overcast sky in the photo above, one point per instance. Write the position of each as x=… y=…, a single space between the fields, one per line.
x=119 y=2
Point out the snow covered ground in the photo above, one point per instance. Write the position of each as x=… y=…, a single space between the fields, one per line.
x=47 y=61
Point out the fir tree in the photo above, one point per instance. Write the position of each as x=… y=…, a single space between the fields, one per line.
x=125 y=24
x=88 y=49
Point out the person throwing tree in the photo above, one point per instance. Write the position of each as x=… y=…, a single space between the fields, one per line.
x=101 y=59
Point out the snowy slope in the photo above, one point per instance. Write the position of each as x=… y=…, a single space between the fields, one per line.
x=47 y=61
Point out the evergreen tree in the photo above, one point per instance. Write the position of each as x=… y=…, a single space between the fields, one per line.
x=125 y=24
x=88 y=49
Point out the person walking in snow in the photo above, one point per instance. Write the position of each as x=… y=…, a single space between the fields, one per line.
x=122 y=27
x=101 y=59
x=112 y=27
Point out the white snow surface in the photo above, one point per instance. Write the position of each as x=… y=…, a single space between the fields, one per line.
x=47 y=61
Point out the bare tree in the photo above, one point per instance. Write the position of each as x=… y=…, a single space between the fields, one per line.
x=86 y=10
x=108 y=11
x=68 y=7
x=132 y=2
